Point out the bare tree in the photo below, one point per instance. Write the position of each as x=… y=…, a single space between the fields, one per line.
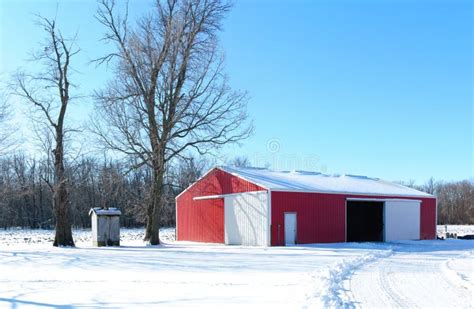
x=456 y=202
x=6 y=140
x=430 y=186
x=48 y=91
x=170 y=96
x=110 y=185
x=240 y=162
x=3 y=118
x=185 y=172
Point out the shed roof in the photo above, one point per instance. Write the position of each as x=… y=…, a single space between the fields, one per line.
x=105 y=212
x=318 y=182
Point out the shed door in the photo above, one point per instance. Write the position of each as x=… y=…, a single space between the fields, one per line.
x=290 y=228
x=402 y=220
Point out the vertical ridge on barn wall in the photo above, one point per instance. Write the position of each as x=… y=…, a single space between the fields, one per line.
x=203 y=219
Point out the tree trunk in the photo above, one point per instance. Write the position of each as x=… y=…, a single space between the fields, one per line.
x=63 y=235
x=152 y=235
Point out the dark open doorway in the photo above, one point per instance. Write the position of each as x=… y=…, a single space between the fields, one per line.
x=364 y=221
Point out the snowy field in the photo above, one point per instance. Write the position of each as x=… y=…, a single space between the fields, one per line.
x=179 y=274
x=458 y=229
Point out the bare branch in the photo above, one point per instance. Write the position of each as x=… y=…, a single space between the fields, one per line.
x=170 y=97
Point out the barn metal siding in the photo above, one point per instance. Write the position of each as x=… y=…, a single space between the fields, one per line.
x=428 y=218
x=203 y=220
x=321 y=217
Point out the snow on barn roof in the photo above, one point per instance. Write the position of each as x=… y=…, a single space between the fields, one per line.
x=317 y=182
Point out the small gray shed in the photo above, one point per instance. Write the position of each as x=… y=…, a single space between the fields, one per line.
x=105 y=226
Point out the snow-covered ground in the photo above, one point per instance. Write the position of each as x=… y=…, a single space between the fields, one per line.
x=176 y=274
x=14 y=237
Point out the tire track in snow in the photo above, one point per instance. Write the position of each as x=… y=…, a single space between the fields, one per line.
x=332 y=293
x=390 y=291
x=455 y=277
x=408 y=279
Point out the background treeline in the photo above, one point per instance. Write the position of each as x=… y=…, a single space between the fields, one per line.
x=455 y=199
x=26 y=198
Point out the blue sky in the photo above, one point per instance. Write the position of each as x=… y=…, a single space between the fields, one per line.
x=379 y=88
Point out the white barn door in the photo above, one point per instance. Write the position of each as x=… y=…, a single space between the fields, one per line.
x=246 y=219
x=402 y=220
x=290 y=228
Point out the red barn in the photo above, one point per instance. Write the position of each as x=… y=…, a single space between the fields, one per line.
x=260 y=207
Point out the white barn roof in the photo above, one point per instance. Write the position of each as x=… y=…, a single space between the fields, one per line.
x=317 y=182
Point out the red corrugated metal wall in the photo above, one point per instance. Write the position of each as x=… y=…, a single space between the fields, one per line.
x=428 y=218
x=321 y=217
x=203 y=220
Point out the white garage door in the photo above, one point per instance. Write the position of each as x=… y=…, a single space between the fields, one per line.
x=246 y=219
x=402 y=220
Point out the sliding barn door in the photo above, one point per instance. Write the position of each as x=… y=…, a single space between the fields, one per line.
x=402 y=220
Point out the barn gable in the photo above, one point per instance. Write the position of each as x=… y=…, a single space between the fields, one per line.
x=203 y=219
